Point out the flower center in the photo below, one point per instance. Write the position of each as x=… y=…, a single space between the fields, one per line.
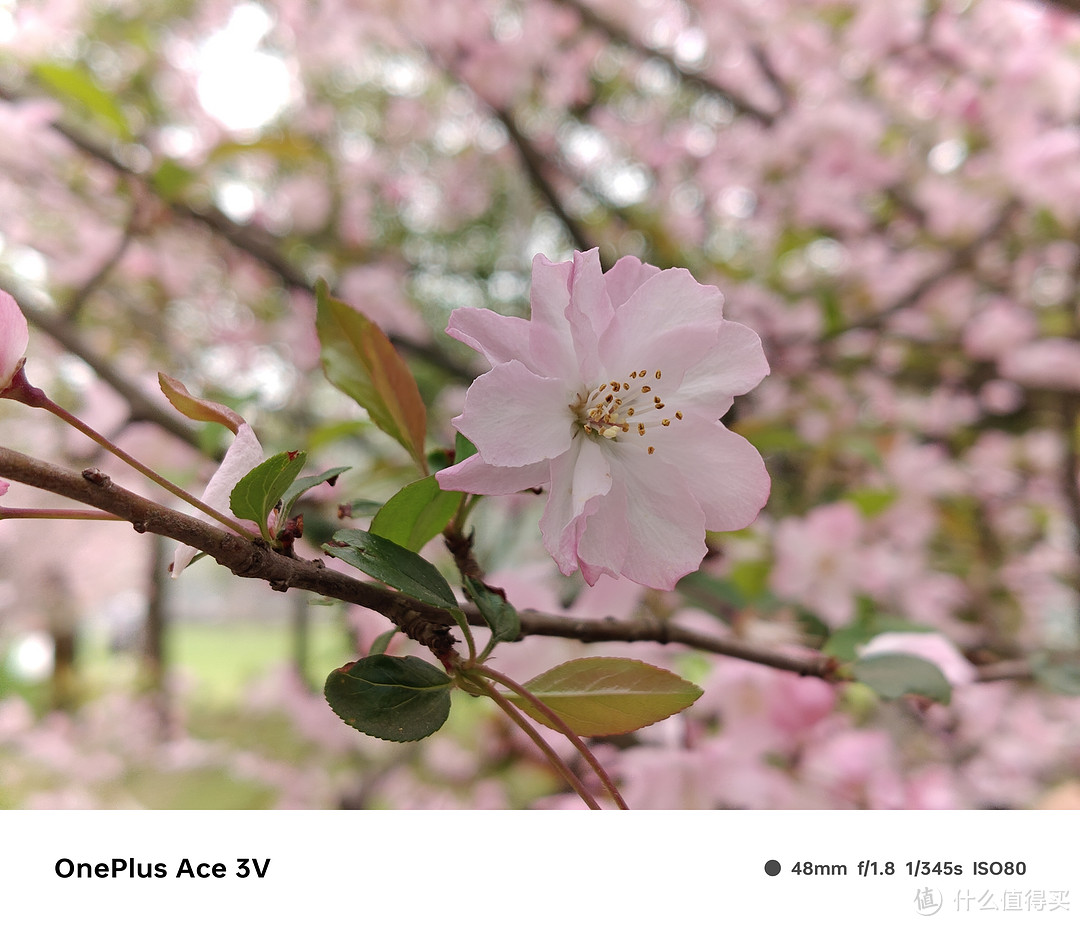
x=629 y=407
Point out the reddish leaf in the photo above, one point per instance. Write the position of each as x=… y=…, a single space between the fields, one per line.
x=360 y=360
x=198 y=409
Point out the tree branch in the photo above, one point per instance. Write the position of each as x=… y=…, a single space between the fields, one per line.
x=423 y=623
x=618 y=34
x=250 y=240
x=610 y=629
x=534 y=167
x=428 y=625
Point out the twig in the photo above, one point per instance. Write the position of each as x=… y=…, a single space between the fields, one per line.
x=620 y=35
x=550 y=754
x=60 y=330
x=610 y=629
x=423 y=623
x=256 y=243
x=428 y=625
x=534 y=167
x=961 y=259
x=555 y=720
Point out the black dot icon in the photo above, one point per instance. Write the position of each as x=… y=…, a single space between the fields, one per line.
x=772 y=868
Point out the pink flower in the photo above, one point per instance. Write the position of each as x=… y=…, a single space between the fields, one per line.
x=1050 y=363
x=820 y=561
x=609 y=397
x=14 y=337
x=241 y=458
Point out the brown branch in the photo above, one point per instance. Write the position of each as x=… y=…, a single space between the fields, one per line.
x=425 y=624
x=83 y=293
x=534 y=167
x=962 y=258
x=611 y=629
x=1072 y=6
x=250 y=240
x=621 y=36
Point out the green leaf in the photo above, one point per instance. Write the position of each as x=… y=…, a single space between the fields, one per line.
x=75 y=83
x=607 y=695
x=416 y=514
x=398 y=698
x=382 y=641
x=832 y=313
x=362 y=508
x=195 y=408
x=711 y=593
x=750 y=578
x=306 y=483
x=893 y=675
x=845 y=642
x=870 y=501
x=170 y=180
x=496 y=611
x=1060 y=675
x=388 y=562
x=463 y=448
x=284 y=147
x=360 y=361
x=256 y=494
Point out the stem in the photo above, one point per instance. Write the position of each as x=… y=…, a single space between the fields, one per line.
x=552 y=756
x=59 y=514
x=561 y=726
x=463 y=624
x=63 y=414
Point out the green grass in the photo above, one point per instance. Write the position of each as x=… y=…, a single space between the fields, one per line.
x=220 y=660
x=224 y=659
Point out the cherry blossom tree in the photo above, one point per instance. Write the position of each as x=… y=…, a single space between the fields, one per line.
x=422 y=259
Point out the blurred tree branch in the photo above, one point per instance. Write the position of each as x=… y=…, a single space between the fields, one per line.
x=1073 y=6
x=251 y=240
x=701 y=82
x=534 y=167
x=141 y=408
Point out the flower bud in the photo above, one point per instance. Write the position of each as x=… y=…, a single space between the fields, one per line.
x=14 y=336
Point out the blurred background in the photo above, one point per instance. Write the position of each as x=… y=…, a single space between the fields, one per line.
x=888 y=191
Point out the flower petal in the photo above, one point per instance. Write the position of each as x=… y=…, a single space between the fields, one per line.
x=515 y=417
x=544 y=349
x=549 y=294
x=480 y=478
x=669 y=323
x=649 y=527
x=578 y=479
x=14 y=338
x=736 y=365
x=241 y=458
x=626 y=277
x=727 y=474
x=500 y=338
x=589 y=312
